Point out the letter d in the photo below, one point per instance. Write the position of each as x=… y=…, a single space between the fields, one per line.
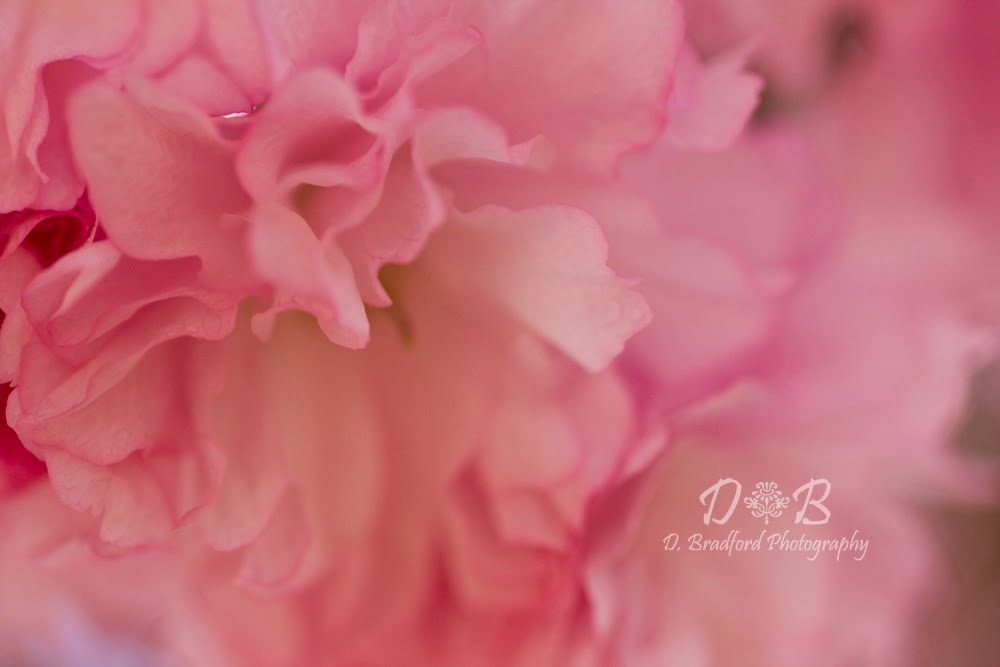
x=714 y=491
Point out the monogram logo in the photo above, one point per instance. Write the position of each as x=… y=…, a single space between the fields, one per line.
x=768 y=502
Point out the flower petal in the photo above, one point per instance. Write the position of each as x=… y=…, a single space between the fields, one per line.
x=547 y=268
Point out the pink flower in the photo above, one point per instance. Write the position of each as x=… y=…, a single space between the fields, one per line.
x=362 y=444
x=403 y=332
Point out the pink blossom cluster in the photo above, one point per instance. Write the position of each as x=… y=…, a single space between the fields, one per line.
x=404 y=332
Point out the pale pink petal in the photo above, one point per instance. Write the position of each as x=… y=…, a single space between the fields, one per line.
x=34 y=35
x=307 y=275
x=397 y=229
x=276 y=557
x=59 y=387
x=311 y=32
x=547 y=268
x=201 y=83
x=236 y=36
x=167 y=33
x=779 y=212
x=710 y=102
x=489 y=576
x=160 y=177
x=329 y=128
x=593 y=82
x=557 y=437
x=92 y=291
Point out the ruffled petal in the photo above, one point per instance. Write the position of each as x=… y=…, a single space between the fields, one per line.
x=593 y=82
x=546 y=267
x=161 y=178
x=36 y=34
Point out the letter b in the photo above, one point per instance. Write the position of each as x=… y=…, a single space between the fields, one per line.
x=818 y=503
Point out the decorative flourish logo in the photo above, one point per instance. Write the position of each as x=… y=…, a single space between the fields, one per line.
x=766 y=502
